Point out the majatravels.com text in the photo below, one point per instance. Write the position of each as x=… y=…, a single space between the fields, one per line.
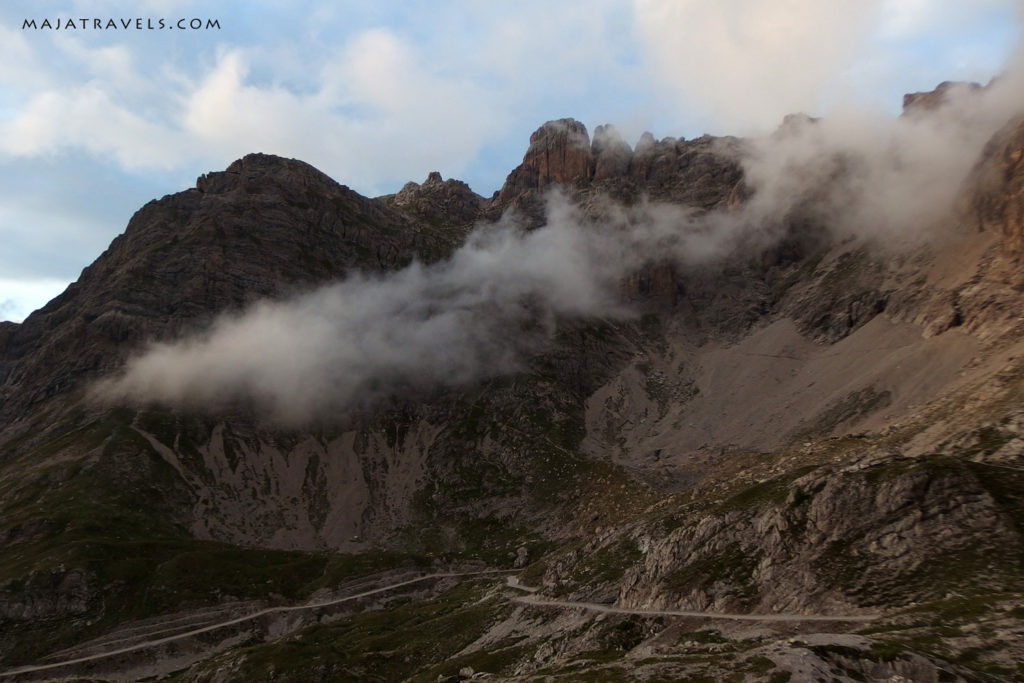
x=136 y=24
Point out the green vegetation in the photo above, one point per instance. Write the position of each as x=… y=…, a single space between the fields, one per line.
x=733 y=565
x=105 y=523
x=403 y=642
x=772 y=492
x=936 y=466
x=707 y=636
x=601 y=566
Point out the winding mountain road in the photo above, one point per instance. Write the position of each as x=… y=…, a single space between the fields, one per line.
x=536 y=601
x=247 y=617
x=531 y=600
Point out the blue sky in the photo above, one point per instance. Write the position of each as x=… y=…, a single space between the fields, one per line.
x=95 y=123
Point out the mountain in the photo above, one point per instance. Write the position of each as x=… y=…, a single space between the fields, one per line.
x=789 y=451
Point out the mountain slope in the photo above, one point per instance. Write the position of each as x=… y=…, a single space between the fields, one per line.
x=815 y=423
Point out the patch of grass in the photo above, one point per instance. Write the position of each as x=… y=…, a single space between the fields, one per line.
x=602 y=655
x=733 y=566
x=771 y=492
x=623 y=635
x=707 y=636
x=606 y=564
x=533 y=573
x=935 y=465
x=497 y=659
x=759 y=665
x=403 y=642
x=1007 y=488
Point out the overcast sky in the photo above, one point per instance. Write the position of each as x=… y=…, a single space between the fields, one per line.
x=96 y=122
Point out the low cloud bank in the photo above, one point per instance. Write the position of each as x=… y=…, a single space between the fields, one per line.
x=470 y=317
x=502 y=295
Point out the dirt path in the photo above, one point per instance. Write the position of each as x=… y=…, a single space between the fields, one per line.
x=511 y=581
x=536 y=601
x=247 y=617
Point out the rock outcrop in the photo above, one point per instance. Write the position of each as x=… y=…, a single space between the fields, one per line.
x=703 y=173
x=439 y=202
x=921 y=102
x=995 y=191
x=611 y=153
x=264 y=227
x=559 y=152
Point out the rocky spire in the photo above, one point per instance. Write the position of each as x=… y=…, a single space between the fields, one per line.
x=559 y=152
x=611 y=153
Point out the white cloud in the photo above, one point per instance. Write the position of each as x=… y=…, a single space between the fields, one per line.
x=910 y=19
x=371 y=111
x=18 y=298
x=375 y=114
x=742 y=65
x=745 y=64
x=86 y=118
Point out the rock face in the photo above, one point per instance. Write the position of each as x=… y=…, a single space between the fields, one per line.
x=439 y=202
x=995 y=194
x=611 y=153
x=48 y=596
x=654 y=281
x=920 y=102
x=838 y=540
x=559 y=152
x=264 y=227
x=702 y=173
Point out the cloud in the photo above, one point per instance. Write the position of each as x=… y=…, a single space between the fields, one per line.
x=501 y=296
x=88 y=119
x=374 y=113
x=18 y=298
x=909 y=19
x=740 y=66
x=373 y=110
x=470 y=317
x=862 y=173
x=744 y=64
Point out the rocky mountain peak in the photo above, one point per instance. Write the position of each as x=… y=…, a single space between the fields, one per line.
x=610 y=152
x=995 y=190
x=702 y=172
x=559 y=152
x=255 y=173
x=438 y=201
x=793 y=124
x=933 y=99
x=264 y=227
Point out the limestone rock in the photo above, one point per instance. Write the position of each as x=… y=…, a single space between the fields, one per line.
x=439 y=202
x=559 y=153
x=918 y=102
x=264 y=227
x=611 y=153
x=995 y=192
